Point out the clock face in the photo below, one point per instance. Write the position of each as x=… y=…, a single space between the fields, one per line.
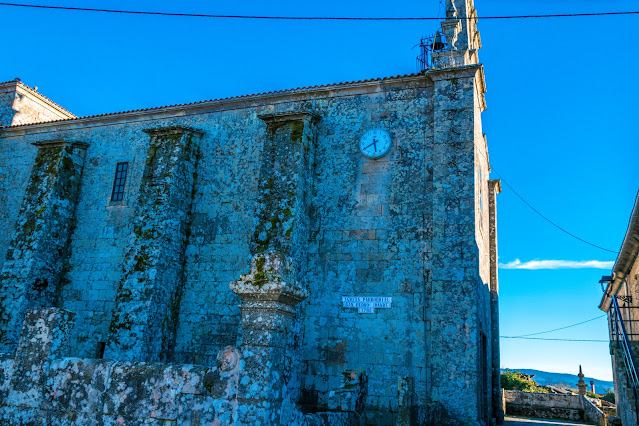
x=375 y=143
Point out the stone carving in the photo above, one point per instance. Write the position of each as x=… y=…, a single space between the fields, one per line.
x=228 y=359
x=451 y=30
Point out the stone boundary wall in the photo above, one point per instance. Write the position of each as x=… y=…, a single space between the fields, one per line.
x=544 y=405
x=553 y=406
x=97 y=392
x=38 y=387
x=593 y=414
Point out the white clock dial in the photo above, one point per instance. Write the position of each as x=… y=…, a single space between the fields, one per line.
x=375 y=143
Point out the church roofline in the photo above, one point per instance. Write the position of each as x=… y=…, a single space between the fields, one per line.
x=233 y=102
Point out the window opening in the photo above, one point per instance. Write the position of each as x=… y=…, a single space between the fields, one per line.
x=99 y=350
x=119 y=181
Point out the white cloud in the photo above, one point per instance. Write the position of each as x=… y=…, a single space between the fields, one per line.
x=557 y=264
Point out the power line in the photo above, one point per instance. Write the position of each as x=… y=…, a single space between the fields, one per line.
x=547 y=219
x=555 y=329
x=312 y=18
x=560 y=340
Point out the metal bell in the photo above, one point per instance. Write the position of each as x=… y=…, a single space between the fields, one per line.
x=438 y=43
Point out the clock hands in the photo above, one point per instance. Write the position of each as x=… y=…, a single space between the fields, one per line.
x=374 y=143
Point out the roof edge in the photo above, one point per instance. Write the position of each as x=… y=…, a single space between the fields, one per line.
x=630 y=245
x=234 y=100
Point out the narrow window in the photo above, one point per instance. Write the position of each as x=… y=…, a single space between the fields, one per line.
x=99 y=350
x=119 y=181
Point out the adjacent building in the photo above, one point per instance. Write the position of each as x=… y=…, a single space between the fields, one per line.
x=620 y=298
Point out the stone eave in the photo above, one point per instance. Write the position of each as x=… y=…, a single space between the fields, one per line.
x=217 y=105
x=625 y=259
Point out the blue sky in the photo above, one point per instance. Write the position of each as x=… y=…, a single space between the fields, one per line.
x=561 y=118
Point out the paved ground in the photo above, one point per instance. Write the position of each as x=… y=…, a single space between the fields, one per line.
x=522 y=421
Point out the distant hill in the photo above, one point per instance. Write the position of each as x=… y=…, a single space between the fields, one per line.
x=544 y=378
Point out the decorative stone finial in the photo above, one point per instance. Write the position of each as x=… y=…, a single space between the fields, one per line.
x=581 y=384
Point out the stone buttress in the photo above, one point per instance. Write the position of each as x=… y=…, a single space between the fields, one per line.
x=35 y=260
x=275 y=284
x=148 y=296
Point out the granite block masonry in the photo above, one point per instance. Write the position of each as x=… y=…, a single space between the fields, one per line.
x=241 y=261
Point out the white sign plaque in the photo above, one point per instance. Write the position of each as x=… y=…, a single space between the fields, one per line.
x=366 y=304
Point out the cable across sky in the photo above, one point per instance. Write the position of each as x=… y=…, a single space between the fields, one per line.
x=313 y=18
x=522 y=336
x=547 y=219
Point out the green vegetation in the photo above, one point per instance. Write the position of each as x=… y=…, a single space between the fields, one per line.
x=609 y=396
x=514 y=380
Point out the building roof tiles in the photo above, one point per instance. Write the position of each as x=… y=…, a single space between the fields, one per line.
x=284 y=91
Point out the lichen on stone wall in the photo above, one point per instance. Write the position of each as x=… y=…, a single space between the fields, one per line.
x=148 y=298
x=36 y=257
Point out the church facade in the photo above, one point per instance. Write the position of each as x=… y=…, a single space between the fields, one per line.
x=323 y=255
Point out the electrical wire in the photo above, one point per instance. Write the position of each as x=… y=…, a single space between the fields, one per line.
x=555 y=329
x=560 y=340
x=313 y=18
x=546 y=218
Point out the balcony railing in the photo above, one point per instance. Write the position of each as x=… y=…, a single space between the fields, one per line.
x=619 y=334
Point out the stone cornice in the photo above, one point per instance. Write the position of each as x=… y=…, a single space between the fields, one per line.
x=52 y=143
x=172 y=130
x=437 y=74
x=474 y=70
x=288 y=116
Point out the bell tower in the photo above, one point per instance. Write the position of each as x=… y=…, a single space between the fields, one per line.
x=462 y=37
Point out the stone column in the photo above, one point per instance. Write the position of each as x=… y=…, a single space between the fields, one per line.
x=148 y=297
x=34 y=261
x=273 y=287
x=269 y=295
x=494 y=188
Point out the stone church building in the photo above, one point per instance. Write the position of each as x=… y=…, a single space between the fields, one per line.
x=321 y=255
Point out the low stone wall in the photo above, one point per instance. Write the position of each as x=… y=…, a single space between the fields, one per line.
x=593 y=414
x=88 y=391
x=544 y=405
x=37 y=389
x=40 y=388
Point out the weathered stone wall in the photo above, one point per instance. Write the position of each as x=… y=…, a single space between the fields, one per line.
x=76 y=391
x=150 y=289
x=403 y=227
x=624 y=395
x=544 y=405
x=592 y=413
x=37 y=255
